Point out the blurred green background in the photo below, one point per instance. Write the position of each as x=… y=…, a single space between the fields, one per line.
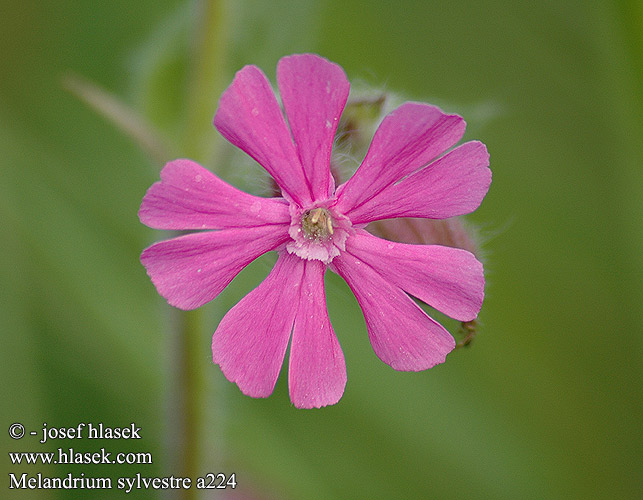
x=546 y=403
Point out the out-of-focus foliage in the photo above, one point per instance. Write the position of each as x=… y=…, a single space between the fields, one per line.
x=546 y=403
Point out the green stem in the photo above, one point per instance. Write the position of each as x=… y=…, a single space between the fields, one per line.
x=193 y=454
x=188 y=413
x=205 y=79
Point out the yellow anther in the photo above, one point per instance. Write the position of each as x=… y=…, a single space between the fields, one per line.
x=317 y=224
x=329 y=225
x=316 y=214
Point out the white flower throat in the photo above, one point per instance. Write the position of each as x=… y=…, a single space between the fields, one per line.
x=318 y=233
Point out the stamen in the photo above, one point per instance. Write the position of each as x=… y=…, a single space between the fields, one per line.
x=316 y=215
x=318 y=233
x=317 y=224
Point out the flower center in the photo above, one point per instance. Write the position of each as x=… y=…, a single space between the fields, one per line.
x=317 y=224
x=318 y=233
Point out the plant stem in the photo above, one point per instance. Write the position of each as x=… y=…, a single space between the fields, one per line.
x=188 y=421
x=192 y=452
x=207 y=61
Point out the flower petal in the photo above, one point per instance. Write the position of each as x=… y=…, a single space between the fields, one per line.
x=316 y=371
x=191 y=197
x=402 y=335
x=450 y=280
x=250 y=118
x=406 y=140
x=193 y=269
x=313 y=91
x=455 y=184
x=250 y=342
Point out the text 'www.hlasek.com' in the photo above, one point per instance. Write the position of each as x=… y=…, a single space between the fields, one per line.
x=99 y=456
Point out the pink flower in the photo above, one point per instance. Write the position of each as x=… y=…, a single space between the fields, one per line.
x=315 y=226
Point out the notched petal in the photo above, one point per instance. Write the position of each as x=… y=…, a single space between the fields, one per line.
x=250 y=342
x=401 y=333
x=406 y=140
x=192 y=270
x=317 y=371
x=191 y=197
x=450 y=280
x=250 y=118
x=314 y=92
x=453 y=185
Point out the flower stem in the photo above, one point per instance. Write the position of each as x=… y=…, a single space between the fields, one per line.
x=188 y=405
x=191 y=448
x=207 y=60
